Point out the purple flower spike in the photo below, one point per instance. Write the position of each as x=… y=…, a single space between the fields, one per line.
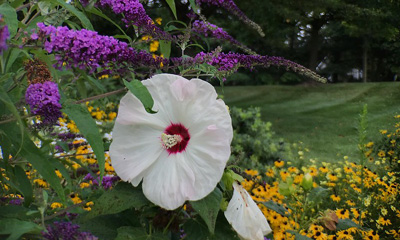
x=4 y=35
x=230 y=6
x=135 y=14
x=66 y=231
x=208 y=29
x=43 y=99
x=88 y=50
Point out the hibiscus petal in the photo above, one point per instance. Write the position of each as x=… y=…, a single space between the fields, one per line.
x=207 y=154
x=135 y=131
x=245 y=216
x=170 y=182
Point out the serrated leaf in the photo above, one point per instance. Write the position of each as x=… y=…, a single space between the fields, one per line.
x=142 y=93
x=165 y=48
x=87 y=126
x=276 y=207
x=171 y=4
x=298 y=235
x=16 y=228
x=10 y=17
x=122 y=197
x=344 y=224
x=136 y=233
x=208 y=208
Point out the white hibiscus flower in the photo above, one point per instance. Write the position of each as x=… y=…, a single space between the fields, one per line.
x=179 y=152
x=245 y=216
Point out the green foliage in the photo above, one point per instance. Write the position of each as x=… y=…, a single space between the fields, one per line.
x=16 y=228
x=208 y=208
x=88 y=128
x=124 y=196
x=254 y=144
x=137 y=88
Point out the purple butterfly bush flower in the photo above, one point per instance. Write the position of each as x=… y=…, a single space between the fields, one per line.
x=134 y=13
x=208 y=29
x=43 y=99
x=4 y=35
x=89 y=50
x=230 y=62
x=231 y=7
x=66 y=231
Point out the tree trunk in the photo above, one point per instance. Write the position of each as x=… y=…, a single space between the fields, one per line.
x=365 y=61
x=314 y=43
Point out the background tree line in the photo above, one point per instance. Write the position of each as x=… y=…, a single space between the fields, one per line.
x=343 y=40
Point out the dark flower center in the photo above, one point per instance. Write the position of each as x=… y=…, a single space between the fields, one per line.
x=175 y=138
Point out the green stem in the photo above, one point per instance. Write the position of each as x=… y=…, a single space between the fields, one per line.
x=169 y=223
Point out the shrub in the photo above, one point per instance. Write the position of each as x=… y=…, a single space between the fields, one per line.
x=254 y=144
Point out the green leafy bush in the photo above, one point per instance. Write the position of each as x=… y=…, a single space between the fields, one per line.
x=254 y=144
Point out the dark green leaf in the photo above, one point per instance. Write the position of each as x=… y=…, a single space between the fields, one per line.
x=23 y=184
x=140 y=91
x=17 y=3
x=208 y=208
x=11 y=107
x=84 y=20
x=10 y=17
x=195 y=230
x=13 y=55
x=13 y=211
x=317 y=194
x=345 y=224
x=81 y=87
x=298 y=235
x=16 y=228
x=124 y=196
x=61 y=167
x=100 y=14
x=276 y=207
x=223 y=229
x=96 y=83
x=87 y=126
x=104 y=227
x=43 y=165
x=136 y=233
x=171 y=4
x=165 y=48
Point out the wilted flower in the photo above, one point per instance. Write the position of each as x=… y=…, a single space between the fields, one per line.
x=245 y=216
x=181 y=151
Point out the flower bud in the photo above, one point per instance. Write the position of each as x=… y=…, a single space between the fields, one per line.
x=307 y=182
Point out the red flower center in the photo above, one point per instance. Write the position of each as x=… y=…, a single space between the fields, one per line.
x=175 y=138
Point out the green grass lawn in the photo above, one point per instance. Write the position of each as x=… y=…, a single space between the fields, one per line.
x=325 y=116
